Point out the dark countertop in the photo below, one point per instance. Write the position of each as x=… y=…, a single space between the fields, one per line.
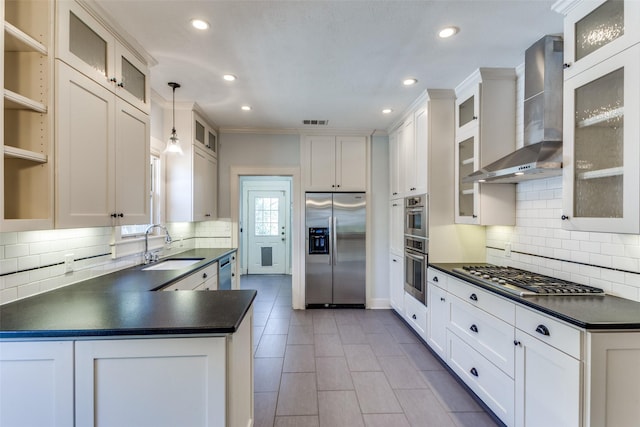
x=592 y=313
x=124 y=303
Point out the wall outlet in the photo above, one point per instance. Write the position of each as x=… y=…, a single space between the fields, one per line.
x=507 y=250
x=68 y=263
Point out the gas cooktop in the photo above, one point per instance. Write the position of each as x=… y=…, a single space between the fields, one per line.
x=525 y=283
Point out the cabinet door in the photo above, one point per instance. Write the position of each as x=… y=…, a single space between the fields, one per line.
x=408 y=157
x=132 y=164
x=421 y=152
x=204 y=185
x=85 y=155
x=394 y=164
x=84 y=44
x=199 y=131
x=151 y=382
x=467 y=202
x=467 y=108
x=601 y=154
x=36 y=383
x=396 y=282
x=598 y=29
x=320 y=153
x=438 y=314
x=212 y=142
x=547 y=384
x=351 y=163
x=416 y=315
x=396 y=223
x=132 y=79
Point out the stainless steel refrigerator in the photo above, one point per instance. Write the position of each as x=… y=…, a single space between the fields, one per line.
x=335 y=249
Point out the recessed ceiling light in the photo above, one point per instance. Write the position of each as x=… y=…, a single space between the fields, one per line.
x=246 y=108
x=200 y=24
x=448 y=32
x=387 y=111
x=410 y=81
x=229 y=77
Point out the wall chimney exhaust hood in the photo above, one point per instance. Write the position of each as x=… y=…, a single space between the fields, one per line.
x=541 y=156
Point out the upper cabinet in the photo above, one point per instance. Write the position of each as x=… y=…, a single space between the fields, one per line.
x=26 y=125
x=485 y=132
x=601 y=179
x=88 y=46
x=192 y=178
x=335 y=163
x=408 y=146
x=595 y=30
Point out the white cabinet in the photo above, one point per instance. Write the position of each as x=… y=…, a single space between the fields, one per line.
x=84 y=42
x=396 y=226
x=595 y=30
x=102 y=157
x=396 y=282
x=26 y=123
x=548 y=381
x=408 y=154
x=416 y=314
x=192 y=179
x=205 y=279
x=485 y=132
x=335 y=163
x=36 y=383
x=204 y=136
x=395 y=163
x=601 y=158
x=438 y=318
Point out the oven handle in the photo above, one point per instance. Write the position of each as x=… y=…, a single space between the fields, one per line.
x=414 y=255
x=414 y=210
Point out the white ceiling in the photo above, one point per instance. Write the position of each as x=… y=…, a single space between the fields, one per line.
x=343 y=61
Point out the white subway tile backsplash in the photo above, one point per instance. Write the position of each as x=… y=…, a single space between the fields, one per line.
x=8 y=265
x=16 y=251
x=28 y=262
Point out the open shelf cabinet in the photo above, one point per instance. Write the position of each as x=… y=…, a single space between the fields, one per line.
x=27 y=123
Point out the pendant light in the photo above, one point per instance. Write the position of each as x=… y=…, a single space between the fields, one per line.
x=173 y=145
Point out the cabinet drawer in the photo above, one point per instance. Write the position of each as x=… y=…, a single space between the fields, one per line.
x=437 y=277
x=196 y=279
x=211 y=284
x=551 y=331
x=492 y=385
x=490 y=336
x=416 y=314
x=499 y=307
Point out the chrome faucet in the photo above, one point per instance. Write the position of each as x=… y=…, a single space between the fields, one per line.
x=147 y=256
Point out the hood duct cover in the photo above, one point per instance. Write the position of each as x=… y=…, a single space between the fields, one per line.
x=541 y=156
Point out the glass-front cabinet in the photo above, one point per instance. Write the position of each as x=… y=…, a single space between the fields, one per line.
x=465 y=159
x=596 y=30
x=601 y=151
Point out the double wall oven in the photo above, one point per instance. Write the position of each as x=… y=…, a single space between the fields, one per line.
x=416 y=246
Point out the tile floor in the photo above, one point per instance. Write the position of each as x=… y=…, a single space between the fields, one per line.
x=347 y=368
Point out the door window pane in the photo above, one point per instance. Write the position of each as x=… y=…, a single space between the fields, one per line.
x=266 y=216
x=599 y=28
x=466 y=191
x=599 y=149
x=466 y=111
x=87 y=45
x=133 y=80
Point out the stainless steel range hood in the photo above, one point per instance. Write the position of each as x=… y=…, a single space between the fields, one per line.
x=541 y=156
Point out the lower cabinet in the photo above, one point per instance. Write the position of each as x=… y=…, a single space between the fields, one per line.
x=416 y=314
x=438 y=313
x=154 y=382
x=36 y=383
x=396 y=282
x=205 y=279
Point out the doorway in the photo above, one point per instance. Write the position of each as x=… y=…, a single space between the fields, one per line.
x=265 y=225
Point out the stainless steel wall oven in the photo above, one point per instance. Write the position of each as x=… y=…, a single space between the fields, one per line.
x=416 y=247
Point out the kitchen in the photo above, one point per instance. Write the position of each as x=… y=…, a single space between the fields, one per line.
x=606 y=260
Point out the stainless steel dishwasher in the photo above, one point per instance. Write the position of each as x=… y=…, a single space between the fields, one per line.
x=224 y=273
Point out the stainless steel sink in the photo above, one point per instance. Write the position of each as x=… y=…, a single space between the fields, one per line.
x=173 y=264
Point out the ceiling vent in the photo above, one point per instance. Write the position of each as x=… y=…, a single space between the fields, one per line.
x=315 y=122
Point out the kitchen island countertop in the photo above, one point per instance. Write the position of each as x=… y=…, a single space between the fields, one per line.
x=589 y=312
x=125 y=303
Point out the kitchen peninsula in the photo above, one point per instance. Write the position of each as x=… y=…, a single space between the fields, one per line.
x=111 y=350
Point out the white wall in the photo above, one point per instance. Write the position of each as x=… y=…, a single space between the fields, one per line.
x=379 y=216
x=240 y=149
x=607 y=260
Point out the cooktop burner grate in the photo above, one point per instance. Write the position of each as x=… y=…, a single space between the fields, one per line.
x=525 y=283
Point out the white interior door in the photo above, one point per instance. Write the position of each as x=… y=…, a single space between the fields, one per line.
x=267 y=232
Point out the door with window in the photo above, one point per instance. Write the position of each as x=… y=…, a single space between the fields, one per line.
x=267 y=232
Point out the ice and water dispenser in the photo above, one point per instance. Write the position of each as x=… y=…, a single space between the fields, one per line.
x=318 y=241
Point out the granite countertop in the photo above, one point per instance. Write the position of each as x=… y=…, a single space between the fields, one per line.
x=124 y=303
x=589 y=312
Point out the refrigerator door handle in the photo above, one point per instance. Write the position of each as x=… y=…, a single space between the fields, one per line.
x=331 y=240
x=334 y=236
